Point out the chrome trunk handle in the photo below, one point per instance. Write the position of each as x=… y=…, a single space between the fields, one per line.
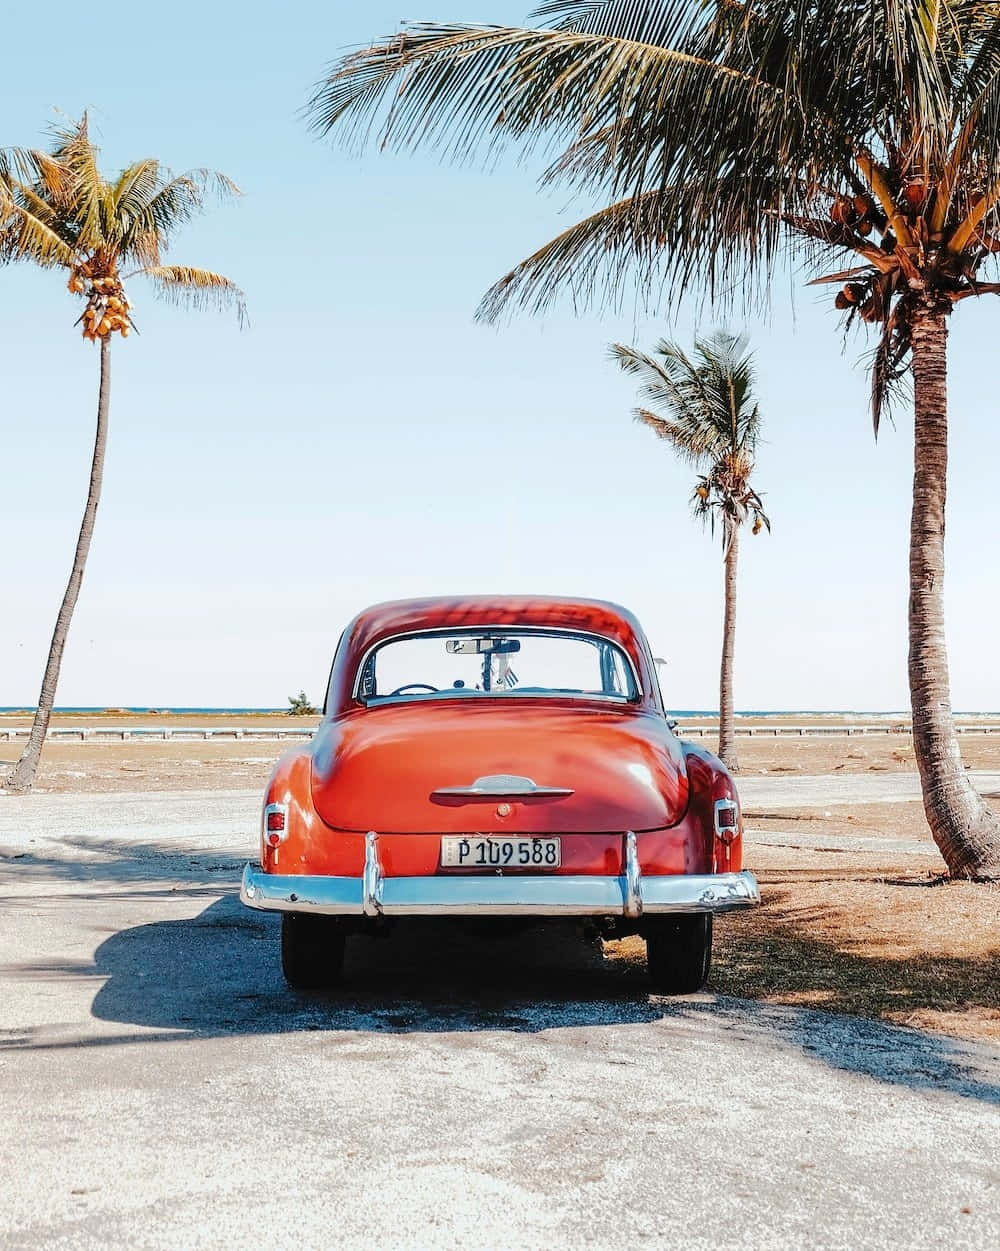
x=502 y=785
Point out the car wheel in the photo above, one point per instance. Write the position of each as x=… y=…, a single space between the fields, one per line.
x=679 y=952
x=312 y=951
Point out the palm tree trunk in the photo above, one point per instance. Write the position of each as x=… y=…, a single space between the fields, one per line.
x=965 y=831
x=727 y=734
x=24 y=771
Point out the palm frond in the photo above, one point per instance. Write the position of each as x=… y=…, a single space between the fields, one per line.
x=27 y=165
x=476 y=88
x=136 y=185
x=620 y=19
x=703 y=405
x=197 y=288
x=715 y=137
x=85 y=189
x=675 y=387
x=33 y=230
x=727 y=374
x=886 y=366
x=590 y=261
x=57 y=209
x=158 y=207
x=685 y=441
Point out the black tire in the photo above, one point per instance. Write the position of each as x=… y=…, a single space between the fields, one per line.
x=679 y=952
x=312 y=951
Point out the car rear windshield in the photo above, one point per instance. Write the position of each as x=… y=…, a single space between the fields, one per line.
x=506 y=662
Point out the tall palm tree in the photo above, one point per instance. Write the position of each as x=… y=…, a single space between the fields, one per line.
x=56 y=209
x=720 y=136
x=708 y=414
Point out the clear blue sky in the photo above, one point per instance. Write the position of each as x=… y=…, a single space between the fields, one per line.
x=364 y=439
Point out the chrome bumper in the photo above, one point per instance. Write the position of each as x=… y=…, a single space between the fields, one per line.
x=373 y=895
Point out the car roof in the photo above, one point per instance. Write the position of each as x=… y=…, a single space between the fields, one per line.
x=448 y=612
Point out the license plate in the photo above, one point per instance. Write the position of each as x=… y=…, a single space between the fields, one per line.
x=478 y=851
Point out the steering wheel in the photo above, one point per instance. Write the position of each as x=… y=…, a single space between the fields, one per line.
x=409 y=686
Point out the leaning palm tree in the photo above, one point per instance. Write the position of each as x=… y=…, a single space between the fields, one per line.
x=721 y=136
x=57 y=210
x=708 y=414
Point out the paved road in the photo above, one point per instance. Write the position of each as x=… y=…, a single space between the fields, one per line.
x=162 y=1088
x=827 y=790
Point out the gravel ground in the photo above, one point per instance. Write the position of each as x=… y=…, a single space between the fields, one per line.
x=819 y=790
x=163 y=1088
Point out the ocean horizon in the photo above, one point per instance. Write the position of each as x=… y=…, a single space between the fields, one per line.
x=148 y=710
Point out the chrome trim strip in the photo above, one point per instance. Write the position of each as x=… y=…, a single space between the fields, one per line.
x=493 y=894
x=444 y=631
x=503 y=785
x=633 y=877
x=371 y=890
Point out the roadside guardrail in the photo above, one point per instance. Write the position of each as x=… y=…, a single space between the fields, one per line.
x=157 y=733
x=825 y=731
x=108 y=733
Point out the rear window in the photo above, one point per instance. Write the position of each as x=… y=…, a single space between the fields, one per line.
x=485 y=663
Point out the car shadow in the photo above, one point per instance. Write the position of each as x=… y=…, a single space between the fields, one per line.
x=88 y=860
x=422 y=975
x=216 y=974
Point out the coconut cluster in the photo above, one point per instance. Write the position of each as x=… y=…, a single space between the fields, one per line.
x=860 y=215
x=854 y=211
x=107 y=308
x=852 y=293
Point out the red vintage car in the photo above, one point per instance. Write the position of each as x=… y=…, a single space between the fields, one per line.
x=498 y=757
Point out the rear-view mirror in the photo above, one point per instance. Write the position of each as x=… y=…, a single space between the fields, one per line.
x=481 y=646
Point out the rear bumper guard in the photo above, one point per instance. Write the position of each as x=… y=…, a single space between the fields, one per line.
x=630 y=894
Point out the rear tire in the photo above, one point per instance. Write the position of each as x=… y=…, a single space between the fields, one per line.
x=312 y=951
x=679 y=952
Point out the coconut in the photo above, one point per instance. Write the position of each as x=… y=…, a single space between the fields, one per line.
x=869 y=310
x=914 y=193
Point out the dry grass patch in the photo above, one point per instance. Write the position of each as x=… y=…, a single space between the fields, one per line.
x=908 y=948
x=847 y=823
x=876 y=753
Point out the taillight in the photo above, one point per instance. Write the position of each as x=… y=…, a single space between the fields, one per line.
x=727 y=819
x=275 y=824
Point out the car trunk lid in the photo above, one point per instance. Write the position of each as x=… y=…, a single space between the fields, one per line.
x=510 y=766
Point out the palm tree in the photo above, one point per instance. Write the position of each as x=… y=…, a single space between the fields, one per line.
x=56 y=209
x=709 y=416
x=720 y=136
